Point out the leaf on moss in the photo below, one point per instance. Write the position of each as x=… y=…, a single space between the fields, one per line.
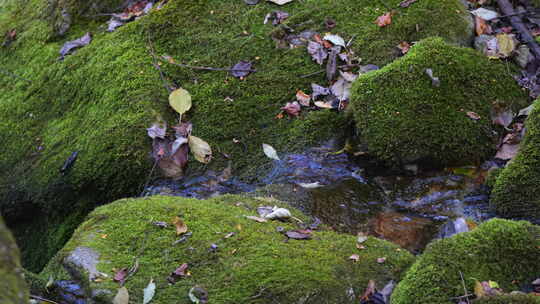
x=149 y=292
x=369 y=291
x=319 y=91
x=355 y=257
x=179 y=273
x=324 y=104
x=270 y=152
x=473 y=115
x=381 y=260
x=292 y=109
x=303 y=98
x=181 y=227
x=180 y=100
x=299 y=234
x=70 y=46
x=485 y=14
x=404 y=47
x=501 y=116
x=406 y=3
x=384 y=20
x=335 y=39
x=241 y=69
x=120 y=275
x=198 y=295
x=481 y=26
x=157 y=130
x=276 y=17
x=361 y=237
x=434 y=80
x=200 y=149
x=317 y=52
x=506 y=44
x=122 y=296
x=256 y=219
x=280 y=2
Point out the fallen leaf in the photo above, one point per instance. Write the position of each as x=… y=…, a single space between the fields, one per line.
x=370 y=290
x=341 y=89
x=381 y=260
x=384 y=20
x=404 y=47
x=335 y=39
x=501 y=116
x=230 y=234
x=368 y=68
x=331 y=64
x=178 y=143
x=9 y=37
x=157 y=130
x=292 y=109
x=264 y=210
x=355 y=257
x=241 y=69
x=278 y=213
x=310 y=185
x=276 y=17
x=324 y=104
x=481 y=26
x=348 y=76
x=434 y=80
x=526 y=111
x=198 y=295
x=120 y=275
x=485 y=14
x=361 y=237
x=181 y=227
x=161 y=224
x=122 y=296
x=256 y=218
x=319 y=91
x=299 y=234
x=317 y=52
x=178 y=274
x=473 y=115
x=180 y=100
x=507 y=45
x=251 y=2
x=270 y=152
x=303 y=98
x=360 y=247
x=149 y=292
x=70 y=46
x=200 y=149
x=406 y=3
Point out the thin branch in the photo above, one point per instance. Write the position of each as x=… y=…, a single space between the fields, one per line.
x=322 y=71
x=42 y=299
x=464 y=287
x=194 y=67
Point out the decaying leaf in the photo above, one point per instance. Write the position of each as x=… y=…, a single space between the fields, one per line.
x=180 y=101
x=485 y=14
x=473 y=115
x=278 y=213
x=355 y=257
x=256 y=218
x=506 y=44
x=241 y=69
x=324 y=104
x=292 y=109
x=526 y=111
x=276 y=17
x=181 y=227
x=509 y=146
x=303 y=98
x=317 y=52
x=270 y=152
x=319 y=91
x=381 y=260
x=120 y=275
x=122 y=296
x=331 y=65
x=486 y=288
x=434 y=80
x=149 y=292
x=264 y=210
x=406 y=3
x=481 y=26
x=341 y=89
x=70 y=46
x=200 y=149
x=179 y=273
x=299 y=234
x=384 y=20
x=404 y=47
x=157 y=129
x=370 y=291
x=198 y=295
x=361 y=237
x=335 y=39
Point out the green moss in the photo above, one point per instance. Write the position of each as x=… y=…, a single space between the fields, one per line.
x=253 y=266
x=509 y=299
x=516 y=191
x=14 y=289
x=404 y=118
x=498 y=250
x=100 y=100
x=492 y=176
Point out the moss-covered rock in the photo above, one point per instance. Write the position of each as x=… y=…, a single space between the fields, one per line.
x=516 y=190
x=404 y=118
x=255 y=265
x=99 y=100
x=498 y=250
x=12 y=285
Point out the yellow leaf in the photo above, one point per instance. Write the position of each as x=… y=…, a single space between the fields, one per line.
x=181 y=227
x=507 y=44
x=180 y=101
x=200 y=149
x=479 y=289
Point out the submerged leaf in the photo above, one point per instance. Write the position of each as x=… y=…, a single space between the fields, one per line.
x=270 y=152
x=149 y=292
x=180 y=101
x=200 y=149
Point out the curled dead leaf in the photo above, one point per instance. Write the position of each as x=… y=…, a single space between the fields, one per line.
x=181 y=227
x=292 y=109
x=384 y=20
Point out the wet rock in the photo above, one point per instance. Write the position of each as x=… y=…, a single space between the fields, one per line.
x=456 y=226
x=13 y=289
x=81 y=263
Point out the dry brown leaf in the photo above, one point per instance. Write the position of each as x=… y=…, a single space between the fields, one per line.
x=303 y=98
x=404 y=46
x=257 y=219
x=355 y=257
x=384 y=20
x=473 y=115
x=181 y=227
x=481 y=26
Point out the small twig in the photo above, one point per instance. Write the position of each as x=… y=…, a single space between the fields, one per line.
x=11 y=74
x=518 y=14
x=322 y=71
x=464 y=287
x=194 y=67
x=42 y=299
x=297 y=219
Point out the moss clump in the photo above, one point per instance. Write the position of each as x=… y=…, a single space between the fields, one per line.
x=516 y=190
x=498 y=250
x=510 y=299
x=492 y=176
x=253 y=266
x=404 y=118
x=99 y=100
x=14 y=289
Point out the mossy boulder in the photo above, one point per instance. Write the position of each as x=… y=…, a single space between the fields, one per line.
x=98 y=101
x=403 y=117
x=515 y=193
x=509 y=299
x=12 y=284
x=499 y=250
x=255 y=265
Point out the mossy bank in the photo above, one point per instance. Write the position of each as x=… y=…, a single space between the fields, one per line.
x=13 y=287
x=404 y=116
x=98 y=101
x=250 y=262
x=515 y=191
x=498 y=250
